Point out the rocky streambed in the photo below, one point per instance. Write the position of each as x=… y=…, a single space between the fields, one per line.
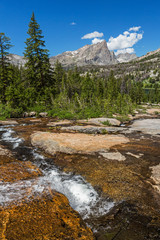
x=79 y=180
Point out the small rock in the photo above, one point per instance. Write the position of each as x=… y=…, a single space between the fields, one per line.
x=25 y=114
x=32 y=114
x=43 y=114
x=113 y=156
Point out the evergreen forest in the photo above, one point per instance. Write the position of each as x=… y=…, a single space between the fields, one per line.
x=70 y=94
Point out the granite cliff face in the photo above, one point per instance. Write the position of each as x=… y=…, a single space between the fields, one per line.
x=95 y=54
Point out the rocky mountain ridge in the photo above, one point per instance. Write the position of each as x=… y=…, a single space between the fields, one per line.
x=89 y=55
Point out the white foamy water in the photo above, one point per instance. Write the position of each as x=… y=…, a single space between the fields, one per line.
x=81 y=195
x=8 y=137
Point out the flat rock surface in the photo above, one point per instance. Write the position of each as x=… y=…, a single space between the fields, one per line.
x=8 y=122
x=75 y=143
x=153 y=110
x=147 y=126
x=113 y=156
x=93 y=129
x=101 y=121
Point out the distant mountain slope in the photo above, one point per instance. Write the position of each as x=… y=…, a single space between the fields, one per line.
x=17 y=60
x=95 y=54
x=151 y=55
x=125 y=57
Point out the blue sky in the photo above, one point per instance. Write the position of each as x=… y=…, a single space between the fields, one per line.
x=110 y=18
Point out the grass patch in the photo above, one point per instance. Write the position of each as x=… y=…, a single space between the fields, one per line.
x=123 y=118
x=106 y=123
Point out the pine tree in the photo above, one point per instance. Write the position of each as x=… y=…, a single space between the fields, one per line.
x=38 y=70
x=5 y=45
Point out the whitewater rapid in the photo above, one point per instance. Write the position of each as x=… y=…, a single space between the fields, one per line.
x=81 y=195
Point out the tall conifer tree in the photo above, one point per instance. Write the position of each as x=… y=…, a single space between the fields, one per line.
x=37 y=67
x=5 y=45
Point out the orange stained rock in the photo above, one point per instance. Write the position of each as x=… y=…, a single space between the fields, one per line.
x=14 y=171
x=47 y=217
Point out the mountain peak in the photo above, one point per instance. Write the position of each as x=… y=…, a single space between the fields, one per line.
x=95 y=54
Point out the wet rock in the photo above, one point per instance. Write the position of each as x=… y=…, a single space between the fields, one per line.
x=44 y=217
x=43 y=114
x=17 y=170
x=101 y=121
x=5 y=152
x=113 y=156
x=75 y=143
x=147 y=126
x=156 y=176
x=8 y=122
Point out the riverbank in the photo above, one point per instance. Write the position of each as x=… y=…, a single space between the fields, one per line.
x=122 y=174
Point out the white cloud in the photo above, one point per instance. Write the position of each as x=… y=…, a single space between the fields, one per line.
x=124 y=40
x=126 y=33
x=126 y=50
x=73 y=23
x=93 y=35
x=97 y=40
x=135 y=29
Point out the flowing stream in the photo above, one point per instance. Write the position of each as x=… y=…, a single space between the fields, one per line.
x=81 y=195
